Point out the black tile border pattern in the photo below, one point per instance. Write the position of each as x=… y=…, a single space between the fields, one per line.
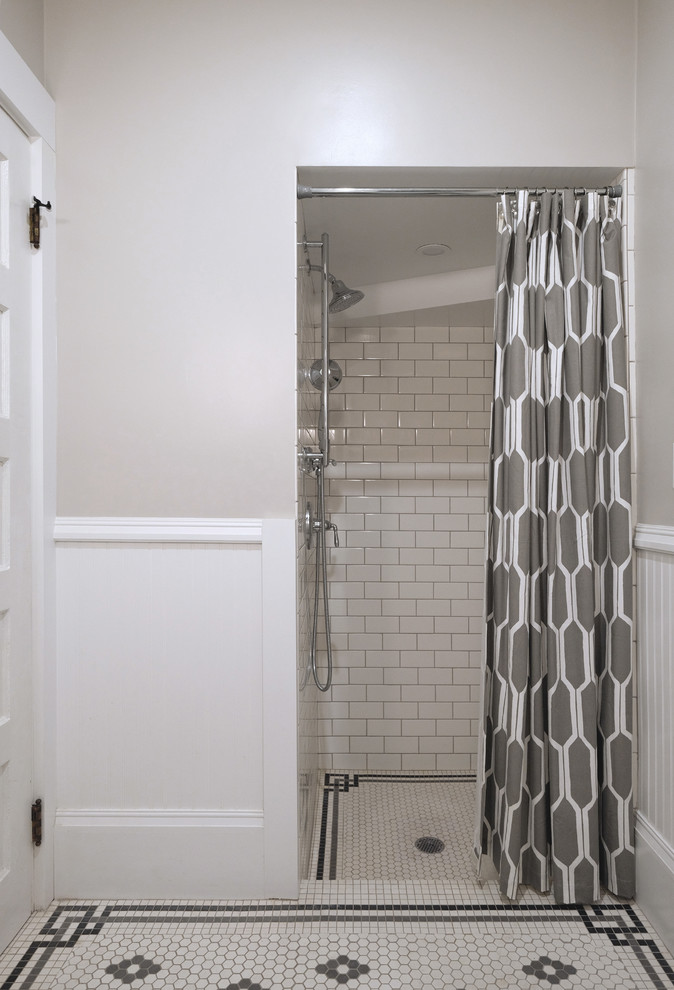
x=335 y=783
x=68 y=923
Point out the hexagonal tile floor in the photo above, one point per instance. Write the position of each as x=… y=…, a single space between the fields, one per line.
x=386 y=825
x=438 y=929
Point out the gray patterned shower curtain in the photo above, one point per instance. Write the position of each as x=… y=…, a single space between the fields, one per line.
x=556 y=750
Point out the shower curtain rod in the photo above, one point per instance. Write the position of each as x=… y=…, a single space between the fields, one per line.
x=311 y=192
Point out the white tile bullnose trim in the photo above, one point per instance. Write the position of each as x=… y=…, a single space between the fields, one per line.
x=658 y=538
x=125 y=529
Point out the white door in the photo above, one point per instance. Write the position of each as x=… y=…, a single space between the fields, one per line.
x=16 y=723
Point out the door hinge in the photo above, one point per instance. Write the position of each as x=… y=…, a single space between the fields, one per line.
x=36 y=822
x=35 y=220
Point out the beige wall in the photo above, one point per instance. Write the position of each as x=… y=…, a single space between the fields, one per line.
x=654 y=260
x=22 y=22
x=180 y=126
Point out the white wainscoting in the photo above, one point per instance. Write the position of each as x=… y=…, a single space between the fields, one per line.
x=172 y=775
x=655 y=669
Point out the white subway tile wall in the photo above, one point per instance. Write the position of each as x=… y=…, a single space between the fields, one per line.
x=410 y=434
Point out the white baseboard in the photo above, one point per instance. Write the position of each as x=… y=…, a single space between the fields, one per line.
x=655 y=879
x=159 y=855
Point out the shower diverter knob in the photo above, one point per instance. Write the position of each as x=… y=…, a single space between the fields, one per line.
x=309 y=526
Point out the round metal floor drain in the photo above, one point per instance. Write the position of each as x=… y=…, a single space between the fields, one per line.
x=429 y=844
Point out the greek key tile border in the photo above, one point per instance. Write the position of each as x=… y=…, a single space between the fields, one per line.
x=68 y=924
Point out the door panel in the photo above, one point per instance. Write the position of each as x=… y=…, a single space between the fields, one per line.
x=16 y=725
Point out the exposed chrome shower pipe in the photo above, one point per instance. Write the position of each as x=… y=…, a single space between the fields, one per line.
x=319 y=462
x=325 y=343
x=324 y=245
x=312 y=192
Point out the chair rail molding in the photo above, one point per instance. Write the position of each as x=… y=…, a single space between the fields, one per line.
x=147 y=529
x=657 y=538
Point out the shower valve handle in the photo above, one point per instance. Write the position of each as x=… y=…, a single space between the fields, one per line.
x=315 y=525
x=335 y=532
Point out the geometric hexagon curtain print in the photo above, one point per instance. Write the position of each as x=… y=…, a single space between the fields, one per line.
x=556 y=750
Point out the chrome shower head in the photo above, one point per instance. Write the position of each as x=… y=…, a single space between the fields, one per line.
x=342 y=296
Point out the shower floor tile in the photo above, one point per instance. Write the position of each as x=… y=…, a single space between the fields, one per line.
x=368 y=826
x=390 y=919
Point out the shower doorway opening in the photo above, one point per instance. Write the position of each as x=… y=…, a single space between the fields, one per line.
x=396 y=737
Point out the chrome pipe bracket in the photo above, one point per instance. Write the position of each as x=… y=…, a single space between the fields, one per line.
x=310 y=460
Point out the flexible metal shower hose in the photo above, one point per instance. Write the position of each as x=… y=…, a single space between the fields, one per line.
x=322 y=567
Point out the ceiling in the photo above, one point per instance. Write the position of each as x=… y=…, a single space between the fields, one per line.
x=374 y=240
